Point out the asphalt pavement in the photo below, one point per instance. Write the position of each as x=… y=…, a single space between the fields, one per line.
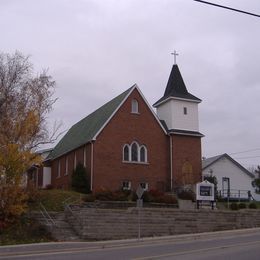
x=237 y=244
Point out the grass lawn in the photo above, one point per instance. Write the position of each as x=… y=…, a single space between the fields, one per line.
x=54 y=200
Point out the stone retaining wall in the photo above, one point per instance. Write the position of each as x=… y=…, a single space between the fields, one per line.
x=103 y=224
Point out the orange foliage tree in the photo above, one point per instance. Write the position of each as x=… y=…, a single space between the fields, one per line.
x=25 y=101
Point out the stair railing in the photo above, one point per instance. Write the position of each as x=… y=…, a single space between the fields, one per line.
x=46 y=215
x=67 y=205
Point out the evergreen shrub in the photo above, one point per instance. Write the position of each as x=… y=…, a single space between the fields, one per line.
x=80 y=179
x=242 y=205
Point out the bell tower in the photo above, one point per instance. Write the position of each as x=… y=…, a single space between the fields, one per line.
x=178 y=111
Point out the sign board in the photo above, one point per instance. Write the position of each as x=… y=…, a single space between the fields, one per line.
x=139 y=192
x=205 y=191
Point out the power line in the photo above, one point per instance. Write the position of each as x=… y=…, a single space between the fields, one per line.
x=229 y=8
x=247 y=151
x=248 y=157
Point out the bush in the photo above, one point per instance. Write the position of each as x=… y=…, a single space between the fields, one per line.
x=89 y=198
x=242 y=205
x=186 y=195
x=13 y=203
x=252 y=205
x=234 y=206
x=80 y=179
x=49 y=187
x=107 y=195
x=127 y=195
x=160 y=197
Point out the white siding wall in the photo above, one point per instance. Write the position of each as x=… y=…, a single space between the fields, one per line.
x=172 y=113
x=46 y=176
x=239 y=180
x=164 y=112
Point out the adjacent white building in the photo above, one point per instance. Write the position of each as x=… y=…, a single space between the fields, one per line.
x=233 y=179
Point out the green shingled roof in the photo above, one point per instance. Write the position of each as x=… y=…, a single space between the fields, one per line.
x=85 y=130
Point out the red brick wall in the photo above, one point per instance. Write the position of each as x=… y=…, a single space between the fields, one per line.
x=109 y=170
x=64 y=181
x=125 y=127
x=186 y=150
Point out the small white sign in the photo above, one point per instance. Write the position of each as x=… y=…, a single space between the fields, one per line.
x=205 y=191
x=139 y=192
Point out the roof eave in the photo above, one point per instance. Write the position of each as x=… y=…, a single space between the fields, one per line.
x=156 y=104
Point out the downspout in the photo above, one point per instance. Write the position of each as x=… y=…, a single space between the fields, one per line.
x=92 y=165
x=37 y=177
x=171 y=162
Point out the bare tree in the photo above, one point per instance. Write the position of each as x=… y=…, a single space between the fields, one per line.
x=25 y=100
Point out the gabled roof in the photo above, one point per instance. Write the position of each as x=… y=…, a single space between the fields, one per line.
x=86 y=129
x=89 y=127
x=209 y=161
x=176 y=88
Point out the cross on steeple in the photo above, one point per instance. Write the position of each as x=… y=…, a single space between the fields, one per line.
x=175 y=54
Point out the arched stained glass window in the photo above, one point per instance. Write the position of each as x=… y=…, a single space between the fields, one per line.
x=134 y=152
x=143 y=154
x=126 y=153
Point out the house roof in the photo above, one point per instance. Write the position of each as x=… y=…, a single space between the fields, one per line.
x=86 y=129
x=209 y=161
x=176 y=88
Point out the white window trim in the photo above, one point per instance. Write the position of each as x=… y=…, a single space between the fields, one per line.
x=129 y=185
x=84 y=156
x=139 y=147
x=66 y=165
x=146 y=185
x=58 y=176
x=138 y=152
x=145 y=153
x=75 y=160
x=134 y=106
x=129 y=150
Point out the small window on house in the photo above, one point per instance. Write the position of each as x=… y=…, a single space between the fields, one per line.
x=58 y=175
x=135 y=109
x=126 y=185
x=134 y=152
x=66 y=165
x=185 y=111
x=143 y=154
x=84 y=156
x=144 y=185
x=126 y=153
x=75 y=160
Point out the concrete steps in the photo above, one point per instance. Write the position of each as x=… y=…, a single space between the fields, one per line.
x=61 y=230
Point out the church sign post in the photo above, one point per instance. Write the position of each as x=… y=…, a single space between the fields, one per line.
x=139 y=204
x=205 y=193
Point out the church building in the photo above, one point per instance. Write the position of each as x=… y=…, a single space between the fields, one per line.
x=125 y=143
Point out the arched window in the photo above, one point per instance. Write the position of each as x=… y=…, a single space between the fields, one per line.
x=126 y=152
x=134 y=152
x=135 y=106
x=143 y=154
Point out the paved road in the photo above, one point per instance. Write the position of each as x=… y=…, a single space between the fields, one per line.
x=239 y=244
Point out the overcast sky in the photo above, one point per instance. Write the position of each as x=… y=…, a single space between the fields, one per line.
x=97 y=49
